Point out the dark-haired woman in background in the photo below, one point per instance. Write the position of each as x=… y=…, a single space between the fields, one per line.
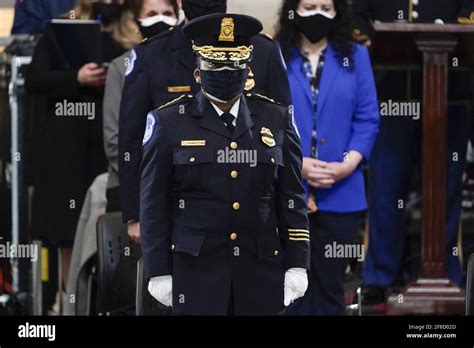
x=70 y=149
x=337 y=115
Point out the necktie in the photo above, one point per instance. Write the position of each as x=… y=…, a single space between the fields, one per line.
x=228 y=118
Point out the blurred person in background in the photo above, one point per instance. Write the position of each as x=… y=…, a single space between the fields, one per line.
x=31 y=16
x=337 y=115
x=71 y=150
x=397 y=149
x=152 y=17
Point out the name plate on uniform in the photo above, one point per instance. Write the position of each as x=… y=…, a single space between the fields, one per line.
x=179 y=89
x=193 y=143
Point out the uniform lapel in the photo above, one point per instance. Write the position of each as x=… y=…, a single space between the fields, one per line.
x=182 y=49
x=330 y=72
x=244 y=121
x=296 y=66
x=210 y=120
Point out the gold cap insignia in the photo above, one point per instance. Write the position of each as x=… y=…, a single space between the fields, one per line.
x=227 y=30
x=267 y=137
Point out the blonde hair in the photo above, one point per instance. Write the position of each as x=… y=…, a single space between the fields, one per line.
x=124 y=31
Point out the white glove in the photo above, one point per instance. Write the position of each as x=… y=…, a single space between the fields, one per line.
x=161 y=288
x=296 y=283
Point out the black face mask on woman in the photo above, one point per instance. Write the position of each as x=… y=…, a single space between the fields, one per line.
x=152 y=26
x=316 y=26
x=197 y=8
x=223 y=85
x=106 y=13
x=153 y=30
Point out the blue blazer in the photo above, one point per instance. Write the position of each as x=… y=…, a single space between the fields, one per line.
x=348 y=119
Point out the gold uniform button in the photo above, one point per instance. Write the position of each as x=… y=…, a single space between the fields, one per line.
x=324 y=141
x=233 y=145
x=275 y=252
x=233 y=236
x=234 y=174
x=272 y=160
x=236 y=206
x=192 y=159
x=172 y=247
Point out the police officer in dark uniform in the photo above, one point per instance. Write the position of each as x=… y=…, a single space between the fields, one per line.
x=161 y=69
x=222 y=207
x=392 y=159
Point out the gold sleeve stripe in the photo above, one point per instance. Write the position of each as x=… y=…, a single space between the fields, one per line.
x=297 y=230
x=299 y=235
x=297 y=239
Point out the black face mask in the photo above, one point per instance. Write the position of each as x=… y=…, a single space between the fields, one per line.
x=224 y=85
x=106 y=13
x=316 y=27
x=153 y=30
x=197 y=8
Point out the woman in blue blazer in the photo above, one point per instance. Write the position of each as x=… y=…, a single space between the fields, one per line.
x=337 y=116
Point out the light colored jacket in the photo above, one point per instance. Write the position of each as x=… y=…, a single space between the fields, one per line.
x=112 y=100
x=85 y=241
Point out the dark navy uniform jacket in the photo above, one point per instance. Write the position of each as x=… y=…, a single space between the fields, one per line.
x=212 y=224
x=160 y=70
x=394 y=85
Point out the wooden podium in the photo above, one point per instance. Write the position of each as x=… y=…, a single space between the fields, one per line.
x=401 y=43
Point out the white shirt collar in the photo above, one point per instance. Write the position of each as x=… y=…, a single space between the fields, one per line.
x=234 y=111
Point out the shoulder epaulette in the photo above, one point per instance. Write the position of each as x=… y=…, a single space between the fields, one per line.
x=157 y=36
x=268 y=36
x=184 y=97
x=261 y=97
